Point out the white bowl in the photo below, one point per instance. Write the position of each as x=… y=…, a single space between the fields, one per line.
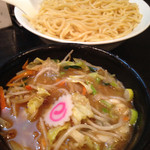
x=143 y=25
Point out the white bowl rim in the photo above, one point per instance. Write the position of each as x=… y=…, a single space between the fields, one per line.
x=144 y=9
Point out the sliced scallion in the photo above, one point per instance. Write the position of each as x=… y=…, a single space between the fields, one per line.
x=92 y=69
x=114 y=84
x=73 y=66
x=128 y=94
x=134 y=116
x=105 y=110
x=105 y=103
x=93 y=89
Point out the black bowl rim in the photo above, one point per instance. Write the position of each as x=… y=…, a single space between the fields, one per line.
x=123 y=62
x=11 y=59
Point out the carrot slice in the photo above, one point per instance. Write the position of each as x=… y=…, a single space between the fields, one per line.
x=61 y=83
x=21 y=75
x=84 y=91
x=126 y=118
x=2 y=99
x=25 y=64
x=28 y=87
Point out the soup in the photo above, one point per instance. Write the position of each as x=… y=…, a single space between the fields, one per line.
x=68 y=104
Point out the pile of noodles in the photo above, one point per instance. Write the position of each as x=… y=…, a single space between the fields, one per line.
x=86 y=20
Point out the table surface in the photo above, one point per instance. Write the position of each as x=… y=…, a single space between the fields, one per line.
x=135 y=51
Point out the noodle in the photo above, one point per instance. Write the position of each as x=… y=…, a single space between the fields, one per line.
x=43 y=129
x=100 y=114
x=88 y=20
x=60 y=141
x=111 y=127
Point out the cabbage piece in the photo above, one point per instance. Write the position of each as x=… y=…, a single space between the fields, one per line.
x=91 y=144
x=111 y=80
x=67 y=63
x=36 y=101
x=78 y=79
x=42 y=92
x=53 y=132
x=82 y=108
x=96 y=75
x=34 y=104
x=35 y=62
x=78 y=137
x=81 y=63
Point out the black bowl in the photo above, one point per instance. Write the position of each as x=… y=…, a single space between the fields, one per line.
x=113 y=64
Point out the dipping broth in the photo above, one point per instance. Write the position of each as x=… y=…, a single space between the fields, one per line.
x=68 y=104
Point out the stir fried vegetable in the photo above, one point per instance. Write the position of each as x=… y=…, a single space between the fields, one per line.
x=78 y=137
x=77 y=79
x=82 y=108
x=128 y=94
x=67 y=105
x=92 y=145
x=37 y=61
x=35 y=102
x=134 y=116
x=21 y=75
x=53 y=132
x=2 y=99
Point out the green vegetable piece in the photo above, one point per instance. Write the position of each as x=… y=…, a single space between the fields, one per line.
x=114 y=84
x=98 y=80
x=92 y=69
x=76 y=79
x=81 y=63
x=42 y=92
x=34 y=104
x=134 y=117
x=106 y=83
x=82 y=108
x=105 y=103
x=36 y=61
x=105 y=110
x=73 y=66
x=128 y=94
x=96 y=146
x=53 y=132
x=93 y=90
x=96 y=76
x=56 y=60
x=62 y=73
x=91 y=144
